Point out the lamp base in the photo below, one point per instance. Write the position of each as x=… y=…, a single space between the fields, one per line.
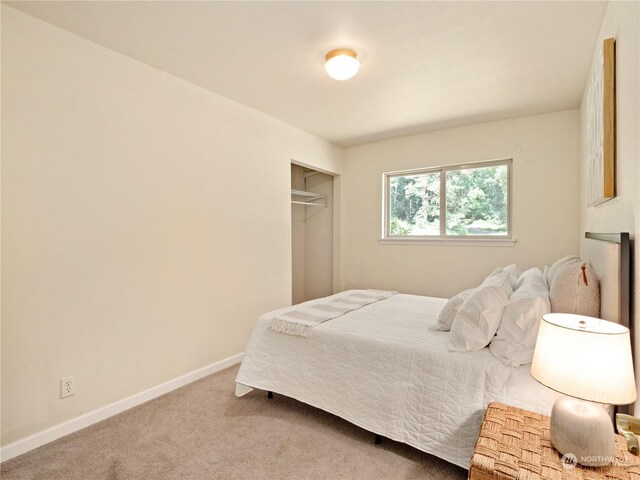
x=584 y=430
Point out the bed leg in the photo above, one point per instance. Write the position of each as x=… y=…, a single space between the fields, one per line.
x=377 y=440
x=269 y=394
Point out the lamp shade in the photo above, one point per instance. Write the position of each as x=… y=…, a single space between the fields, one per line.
x=586 y=358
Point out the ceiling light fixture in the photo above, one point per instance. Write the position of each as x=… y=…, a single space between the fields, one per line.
x=342 y=63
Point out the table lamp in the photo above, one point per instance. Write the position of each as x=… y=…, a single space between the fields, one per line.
x=589 y=360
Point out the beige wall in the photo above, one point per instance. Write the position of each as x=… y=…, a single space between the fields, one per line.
x=145 y=223
x=621 y=213
x=544 y=149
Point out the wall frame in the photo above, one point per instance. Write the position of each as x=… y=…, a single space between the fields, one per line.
x=601 y=127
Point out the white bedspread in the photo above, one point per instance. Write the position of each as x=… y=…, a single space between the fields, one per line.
x=383 y=369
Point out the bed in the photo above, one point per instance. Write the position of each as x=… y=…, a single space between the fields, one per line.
x=380 y=367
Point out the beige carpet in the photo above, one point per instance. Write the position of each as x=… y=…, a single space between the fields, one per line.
x=202 y=431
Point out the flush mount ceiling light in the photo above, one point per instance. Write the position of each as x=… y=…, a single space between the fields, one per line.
x=342 y=63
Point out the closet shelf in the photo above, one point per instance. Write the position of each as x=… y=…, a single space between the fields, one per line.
x=300 y=197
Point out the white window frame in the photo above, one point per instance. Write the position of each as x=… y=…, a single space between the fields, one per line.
x=444 y=238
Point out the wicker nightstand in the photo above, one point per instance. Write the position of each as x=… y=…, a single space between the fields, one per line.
x=514 y=444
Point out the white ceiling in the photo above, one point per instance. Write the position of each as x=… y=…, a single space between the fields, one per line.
x=425 y=65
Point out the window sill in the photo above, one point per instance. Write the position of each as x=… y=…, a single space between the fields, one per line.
x=468 y=242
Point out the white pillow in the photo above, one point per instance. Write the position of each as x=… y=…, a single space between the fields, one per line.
x=449 y=311
x=551 y=271
x=498 y=277
x=503 y=279
x=512 y=271
x=534 y=272
x=478 y=319
x=575 y=289
x=516 y=338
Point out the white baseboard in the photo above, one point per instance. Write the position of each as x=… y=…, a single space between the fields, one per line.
x=50 y=434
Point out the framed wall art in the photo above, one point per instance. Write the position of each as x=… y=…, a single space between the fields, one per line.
x=601 y=127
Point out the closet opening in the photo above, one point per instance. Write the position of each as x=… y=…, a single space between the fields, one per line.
x=312 y=234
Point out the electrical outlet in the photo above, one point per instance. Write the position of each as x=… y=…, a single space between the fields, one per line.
x=67 y=386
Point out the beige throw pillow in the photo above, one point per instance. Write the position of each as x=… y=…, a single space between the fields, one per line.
x=575 y=289
x=551 y=271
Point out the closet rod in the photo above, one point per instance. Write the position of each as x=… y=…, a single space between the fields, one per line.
x=309 y=203
x=303 y=193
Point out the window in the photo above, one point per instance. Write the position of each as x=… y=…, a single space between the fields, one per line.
x=459 y=202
